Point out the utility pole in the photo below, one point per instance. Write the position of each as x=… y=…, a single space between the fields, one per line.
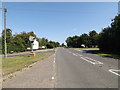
x=5 y=10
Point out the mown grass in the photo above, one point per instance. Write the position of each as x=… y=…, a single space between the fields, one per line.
x=116 y=56
x=85 y=48
x=12 y=64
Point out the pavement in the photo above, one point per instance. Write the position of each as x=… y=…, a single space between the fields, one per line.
x=69 y=68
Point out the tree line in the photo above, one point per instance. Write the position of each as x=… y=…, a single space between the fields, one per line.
x=107 y=40
x=20 y=42
x=88 y=40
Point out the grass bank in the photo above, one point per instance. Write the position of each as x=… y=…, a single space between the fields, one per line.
x=85 y=48
x=12 y=64
x=116 y=56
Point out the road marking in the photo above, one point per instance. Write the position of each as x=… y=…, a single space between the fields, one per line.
x=87 y=60
x=53 y=78
x=114 y=71
x=79 y=54
x=90 y=60
x=74 y=54
x=78 y=50
x=97 y=62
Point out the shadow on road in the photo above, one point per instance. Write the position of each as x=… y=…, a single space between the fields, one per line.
x=102 y=54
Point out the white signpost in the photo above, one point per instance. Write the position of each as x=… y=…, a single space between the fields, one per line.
x=31 y=38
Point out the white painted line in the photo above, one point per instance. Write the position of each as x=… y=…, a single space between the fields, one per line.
x=53 y=78
x=78 y=50
x=79 y=54
x=54 y=61
x=87 y=60
x=74 y=54
x=97 y=62
x=114 y=71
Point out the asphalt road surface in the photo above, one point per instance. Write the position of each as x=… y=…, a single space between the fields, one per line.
x=69 y=68
x=80 y=69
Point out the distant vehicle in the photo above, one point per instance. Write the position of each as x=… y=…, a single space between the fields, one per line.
x=42 y=47
x=83 y=45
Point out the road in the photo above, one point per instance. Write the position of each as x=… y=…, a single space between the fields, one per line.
x=69 y=68
x=80 y=69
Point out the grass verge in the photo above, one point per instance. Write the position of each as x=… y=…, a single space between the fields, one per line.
x=105 y=54
x=12 y=64
x=116 y=56
x=85 y=48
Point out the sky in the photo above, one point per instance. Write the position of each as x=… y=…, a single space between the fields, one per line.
x=58 y=20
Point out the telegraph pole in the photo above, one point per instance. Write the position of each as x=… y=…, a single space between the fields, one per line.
x=5 y=10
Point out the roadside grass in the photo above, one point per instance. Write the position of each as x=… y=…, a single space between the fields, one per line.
x=85 y=48
x=116 y=56
x=106 y=54
x=13 y=64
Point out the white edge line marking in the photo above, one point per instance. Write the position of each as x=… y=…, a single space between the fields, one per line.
x=112 y=71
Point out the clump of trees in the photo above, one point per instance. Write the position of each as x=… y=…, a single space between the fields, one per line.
x=16 y=42
x=47 y=43
x=20 y=42
x=89 y=40
x=109 y=39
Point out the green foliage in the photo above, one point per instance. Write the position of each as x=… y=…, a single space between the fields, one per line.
x=94 y=37
x=90 y=40
x=109 y=39
x=63 y=45
x=43 y=41
x=17 y=42
x=48 y=44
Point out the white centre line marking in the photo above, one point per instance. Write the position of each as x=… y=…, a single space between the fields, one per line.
x=114 y=71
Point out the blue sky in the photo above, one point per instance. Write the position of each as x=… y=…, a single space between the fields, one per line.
x=57 y=21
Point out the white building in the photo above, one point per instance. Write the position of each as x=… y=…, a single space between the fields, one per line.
x=35 y=44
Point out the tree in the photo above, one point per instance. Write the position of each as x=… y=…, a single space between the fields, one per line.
x=63 y=45
x=43 y=41
x=109 y=39
x=94 y=37
x=85 y=40
x=8 y=40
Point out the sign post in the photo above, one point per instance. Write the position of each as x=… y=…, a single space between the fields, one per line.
x=31 y=38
